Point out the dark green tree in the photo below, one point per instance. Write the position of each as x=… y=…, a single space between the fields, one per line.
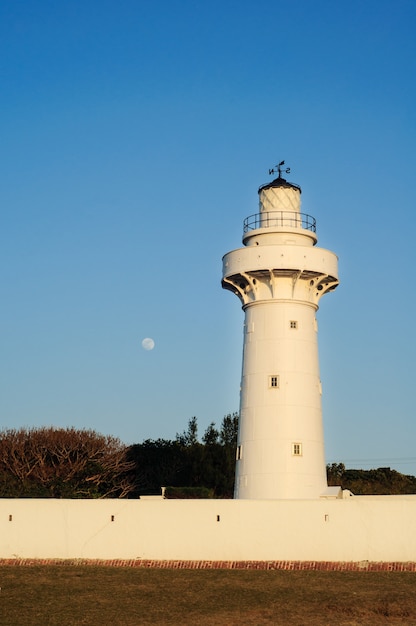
x=186 y=466
x=189 y=437
x=229 y=430
x=211 y=435
x=381 y=481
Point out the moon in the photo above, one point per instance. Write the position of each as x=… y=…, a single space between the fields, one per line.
x=148 y=343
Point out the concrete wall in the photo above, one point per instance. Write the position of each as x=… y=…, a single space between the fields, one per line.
x=360 y=528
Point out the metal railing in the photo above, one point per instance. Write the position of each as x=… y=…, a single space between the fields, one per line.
x=280 y=219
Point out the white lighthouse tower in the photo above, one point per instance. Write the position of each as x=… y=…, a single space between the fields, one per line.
x=280 y=276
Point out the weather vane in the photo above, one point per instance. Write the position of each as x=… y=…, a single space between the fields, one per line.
x=279 y=170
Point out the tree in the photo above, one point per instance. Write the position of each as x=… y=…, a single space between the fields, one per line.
x=57 y=463
x=229 y=430
x=335 y=472
x=381 y=481
x=157 y=463
x=189 y=437
x=211 y=435
x=187 y=465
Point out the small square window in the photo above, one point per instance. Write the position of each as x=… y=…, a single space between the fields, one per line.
x=274 y=381
x=293 y=324
x=296 y=449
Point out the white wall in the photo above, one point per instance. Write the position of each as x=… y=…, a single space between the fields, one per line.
x=373 y=528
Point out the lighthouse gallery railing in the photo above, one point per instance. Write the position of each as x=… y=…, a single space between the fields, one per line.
x=280 y=219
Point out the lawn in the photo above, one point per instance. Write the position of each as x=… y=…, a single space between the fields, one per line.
x=67 y=595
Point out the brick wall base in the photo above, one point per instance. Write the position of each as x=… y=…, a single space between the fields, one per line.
x=322 y=566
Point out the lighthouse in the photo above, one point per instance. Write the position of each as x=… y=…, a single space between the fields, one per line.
x=280 y=275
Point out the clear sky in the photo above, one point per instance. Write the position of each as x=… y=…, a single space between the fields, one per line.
x=134 y=137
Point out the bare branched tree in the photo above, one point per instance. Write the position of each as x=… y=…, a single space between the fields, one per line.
x=65 y=462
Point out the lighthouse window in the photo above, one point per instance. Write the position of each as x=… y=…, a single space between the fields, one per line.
x=296 y=449
x=239 y=453
x=293 y=324
x=274 y=381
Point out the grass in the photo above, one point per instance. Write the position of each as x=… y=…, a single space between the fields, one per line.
x=67 y=595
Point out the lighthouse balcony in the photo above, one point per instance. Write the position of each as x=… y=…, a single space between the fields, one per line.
x=290 y=227
x=281 y=260
x=279 y=219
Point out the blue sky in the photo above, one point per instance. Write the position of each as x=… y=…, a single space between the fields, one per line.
x=134 y=136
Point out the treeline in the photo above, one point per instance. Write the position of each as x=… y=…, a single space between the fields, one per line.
x=381 y=481
x=71 y=463
x=187 y=467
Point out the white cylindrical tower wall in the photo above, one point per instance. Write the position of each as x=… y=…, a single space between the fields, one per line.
x=280 y=277
x=280 y=386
